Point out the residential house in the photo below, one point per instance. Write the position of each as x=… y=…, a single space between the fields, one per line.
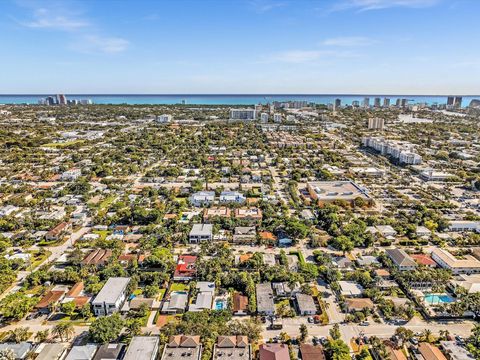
x=20 y=351
x=201 y=233
x=401 y=259
x=305 y=304
x=47 y=351
x=215 y=211
x=185 y=269
x=111 y=297
x=58 y=231
x=143 y=347
x=180 y=347
x=204 y=298
x=265 y=304
x=312 y=352
x=113 y=351
x=232 y=197
x=240 y=304
x=350 y=289
x=244 y=235
x=456 y=352
x=98 y=257
x=82 y=352
x=358 y=304
x=430 y=352
x=202 y=198
x=176 y=303
x=49 y=301
x=232 y=348
x=251 y=214
x=274 y=352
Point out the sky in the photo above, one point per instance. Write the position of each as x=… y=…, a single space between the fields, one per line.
x=424 y=47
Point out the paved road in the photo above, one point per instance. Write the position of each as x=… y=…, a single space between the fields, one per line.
x=56 y=252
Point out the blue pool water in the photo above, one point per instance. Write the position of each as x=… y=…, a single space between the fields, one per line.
x=433 y=299
x=219 y=305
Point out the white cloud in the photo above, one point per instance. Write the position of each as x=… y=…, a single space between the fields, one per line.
x=349 y=41
x=367 y=5
x=95 y=44
x=85 y=36
x=48 y=19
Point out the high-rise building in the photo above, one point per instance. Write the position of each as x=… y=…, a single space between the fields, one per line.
x=377 y=102
x=386 y=102
x=264 y=117
x=376 y=124
x=337 y=105
x=61 y=99
x=450 y=100
x=356 y=103
x=457 y=102
x=366 y=102
x=404 y=102
x=277 y=118
x=243 y=114
x=398 y=102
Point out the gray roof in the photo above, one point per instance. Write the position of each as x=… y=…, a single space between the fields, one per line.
x=178 y=300
x=400 y=257
x=109 y=352
x=142 y=347
x=265 y=298
x=51 y=351
x=20 y=350
x=203 y=301
x=112 y=290
x=84 y=352
x=201 y=229
x=305 y=303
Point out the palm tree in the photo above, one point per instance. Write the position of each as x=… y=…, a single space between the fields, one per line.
x=427 y=336
x=63 y=330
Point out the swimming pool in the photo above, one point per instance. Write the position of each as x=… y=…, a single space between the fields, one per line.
x=434 y=299
x=220 y=305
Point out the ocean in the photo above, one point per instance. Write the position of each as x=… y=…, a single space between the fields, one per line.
x=247 y=99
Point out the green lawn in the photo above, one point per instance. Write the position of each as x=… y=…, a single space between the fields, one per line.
x=103 y=234
x=105 y=203
x=179 y=287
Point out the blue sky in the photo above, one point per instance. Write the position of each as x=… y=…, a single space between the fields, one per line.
x=240 y=46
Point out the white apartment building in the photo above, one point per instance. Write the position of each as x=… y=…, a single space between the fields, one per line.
x=71 y=175
x=399 y=150
x=277 y=118
x=162 y=119
x=376 y=124
x=112 y=296
x=232 y=197
x=464 y=226
x=243 y=114
x=465 y=265
x=264 y=117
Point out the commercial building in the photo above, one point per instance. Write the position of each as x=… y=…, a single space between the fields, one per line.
x=110 y=299
x=243 y=114
x=366 y=102
x=465 y=265
x=329 y=191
